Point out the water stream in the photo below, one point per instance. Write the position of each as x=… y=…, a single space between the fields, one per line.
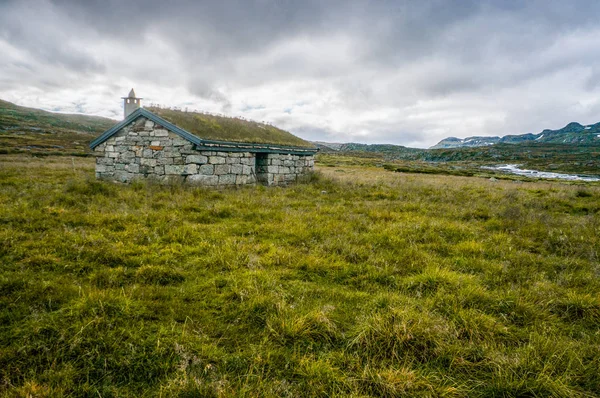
x=514 y=169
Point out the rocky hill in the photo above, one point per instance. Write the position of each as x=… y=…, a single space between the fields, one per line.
x=386 y=150
x=453 y=142
x=572 y=133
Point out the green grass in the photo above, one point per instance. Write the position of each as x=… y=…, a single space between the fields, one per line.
x=221 y=128
x=362 y=282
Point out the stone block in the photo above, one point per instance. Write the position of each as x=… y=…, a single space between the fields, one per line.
x=190 y=169
x=241 y=179
x=236 y=169
x=232 y=160
x=132 y=168
x=178 y=160
x=247 y=161
x=164 y=161
x=223 y=154
x=273 y=169
x=159 y=170
x=276 y=162
x=122 y=176
x=221 y=169
x=101 y=168
x=148 y=162
x=179 y=142
x=170 y=153
x=207 y=169
x=216 y=160
x=149 y=125
x=173 y=179
x=174 y=169
x=227 y=179
x=289 y=177
x=147 y=153
x=161 y=133
x=121 y=148
x=288 y=163
x=105 y=161
x=200 y=179
x=119 y=166
x=199 y=159
x=247 y=169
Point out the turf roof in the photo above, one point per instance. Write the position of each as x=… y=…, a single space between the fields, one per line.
x=221 y=128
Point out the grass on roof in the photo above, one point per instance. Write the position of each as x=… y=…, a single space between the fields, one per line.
x=220 y=128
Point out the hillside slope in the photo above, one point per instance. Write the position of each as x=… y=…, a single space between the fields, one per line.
x=25 y=129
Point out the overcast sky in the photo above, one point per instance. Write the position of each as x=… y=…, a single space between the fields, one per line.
x=401 y=72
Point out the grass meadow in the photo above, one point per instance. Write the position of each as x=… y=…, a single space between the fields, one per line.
x=360 y=283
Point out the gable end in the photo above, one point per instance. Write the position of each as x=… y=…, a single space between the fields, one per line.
x=149 y=115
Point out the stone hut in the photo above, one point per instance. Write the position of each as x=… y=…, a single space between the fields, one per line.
x=198 y=148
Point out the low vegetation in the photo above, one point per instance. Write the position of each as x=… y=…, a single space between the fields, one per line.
x=562 y=158
x=221 y=128
x=33 y=131
x=362 y=282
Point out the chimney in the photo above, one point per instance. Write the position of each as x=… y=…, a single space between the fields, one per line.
x=131 y=103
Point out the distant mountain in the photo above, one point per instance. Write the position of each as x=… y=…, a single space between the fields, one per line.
x=387 y=150
x=453 y=142
x=572 y=133
x=325 y=147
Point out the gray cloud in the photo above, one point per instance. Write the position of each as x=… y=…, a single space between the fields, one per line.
x=401 y=72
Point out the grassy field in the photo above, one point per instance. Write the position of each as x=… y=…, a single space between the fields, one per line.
x=363 y=282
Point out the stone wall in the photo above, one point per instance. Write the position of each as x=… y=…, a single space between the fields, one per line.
x=280 y=169
x=143 y=150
